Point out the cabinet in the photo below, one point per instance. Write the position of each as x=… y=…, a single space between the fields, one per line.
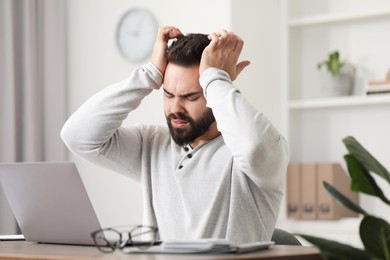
x=360 y=31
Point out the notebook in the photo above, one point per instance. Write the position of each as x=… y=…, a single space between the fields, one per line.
x=50 y=202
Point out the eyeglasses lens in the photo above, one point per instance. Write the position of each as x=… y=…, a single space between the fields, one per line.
x=107 y=240
x=143 y=236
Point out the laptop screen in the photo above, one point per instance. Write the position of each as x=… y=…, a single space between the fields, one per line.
x=50 y=202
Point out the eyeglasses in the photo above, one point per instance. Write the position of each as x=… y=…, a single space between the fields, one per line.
x=109 y=239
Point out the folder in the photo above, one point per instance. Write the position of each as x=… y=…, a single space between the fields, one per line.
x=328 y=208
x=309 y=190
x=294 y=209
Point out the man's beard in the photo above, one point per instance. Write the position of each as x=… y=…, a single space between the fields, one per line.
x=195 y=129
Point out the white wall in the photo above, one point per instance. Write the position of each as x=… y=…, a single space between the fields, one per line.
x=95 y=62
x=258 y=23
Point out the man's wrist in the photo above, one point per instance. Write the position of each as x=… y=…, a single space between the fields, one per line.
x=154 y=73
x=212 y=74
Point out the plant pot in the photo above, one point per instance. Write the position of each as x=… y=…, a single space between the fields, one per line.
x=340 y=85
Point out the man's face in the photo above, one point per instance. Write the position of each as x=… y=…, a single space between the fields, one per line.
x=184 y=104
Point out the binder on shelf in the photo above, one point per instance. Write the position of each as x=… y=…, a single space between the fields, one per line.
x=328 y=208
x=294 y=204
x=308 y=187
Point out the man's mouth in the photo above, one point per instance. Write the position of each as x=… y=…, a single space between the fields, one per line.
x=178 y=123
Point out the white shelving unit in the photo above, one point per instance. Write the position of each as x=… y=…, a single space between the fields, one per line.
x=360 y=31
x=346 y=101
x=337 y=18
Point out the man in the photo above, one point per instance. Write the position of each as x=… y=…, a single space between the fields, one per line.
x=219 y=170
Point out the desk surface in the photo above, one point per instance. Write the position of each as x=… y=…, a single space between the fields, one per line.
x=28 y=250
x=33 y=251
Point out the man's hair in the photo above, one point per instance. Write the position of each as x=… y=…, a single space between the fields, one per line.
x=187 y=50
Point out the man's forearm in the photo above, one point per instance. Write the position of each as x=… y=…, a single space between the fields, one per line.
x=253 y=140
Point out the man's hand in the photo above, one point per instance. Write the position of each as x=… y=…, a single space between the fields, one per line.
x=160 y=47
x=223 y=53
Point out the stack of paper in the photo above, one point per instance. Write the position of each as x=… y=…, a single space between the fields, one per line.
x=205 y=246
x=198 y=246
x=11 y=237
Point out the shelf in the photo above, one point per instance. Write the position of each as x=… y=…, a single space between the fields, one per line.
x=334 y=102
x=333 y=18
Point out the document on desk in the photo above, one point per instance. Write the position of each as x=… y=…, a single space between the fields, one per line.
x=201 y=246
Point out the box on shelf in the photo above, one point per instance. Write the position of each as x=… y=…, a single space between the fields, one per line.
x=307 y=198
x=293 y=193
x=309 y=191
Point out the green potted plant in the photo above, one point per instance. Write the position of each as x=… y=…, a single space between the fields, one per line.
x=338 y=77
x=374 y=231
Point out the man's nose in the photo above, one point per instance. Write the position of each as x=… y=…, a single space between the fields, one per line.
x=177 y=106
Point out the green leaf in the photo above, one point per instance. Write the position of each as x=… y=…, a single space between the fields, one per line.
x=335 y=250
x=365 y=158
x=343 y=200
x=334 y=55
x=333 y=63
x=335 y=67
x=362 y=181
x=375 y=235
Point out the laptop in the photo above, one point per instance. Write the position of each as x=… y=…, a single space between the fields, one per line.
x=50 y=202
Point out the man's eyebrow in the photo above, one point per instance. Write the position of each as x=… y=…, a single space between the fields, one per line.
x=166 y=91
x=187 y=95
x=190 y=94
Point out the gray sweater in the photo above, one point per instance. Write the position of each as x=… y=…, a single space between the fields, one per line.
x=229 y=187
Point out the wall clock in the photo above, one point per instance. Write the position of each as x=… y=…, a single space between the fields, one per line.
x=136 y=34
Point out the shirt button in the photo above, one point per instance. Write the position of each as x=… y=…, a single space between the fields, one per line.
x=189 y=155
x=186 y=149
x=181 y=166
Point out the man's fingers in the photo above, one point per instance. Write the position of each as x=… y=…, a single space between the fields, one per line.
x=241 y=66
x=227 y=39
x=174 y=33
x=214 y=38
x=224 y=37
x=223 y=52
x=163 y=36
x=239 y=43
x=169 y=32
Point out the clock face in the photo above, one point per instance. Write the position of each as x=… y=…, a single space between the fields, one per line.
x=136 y=34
